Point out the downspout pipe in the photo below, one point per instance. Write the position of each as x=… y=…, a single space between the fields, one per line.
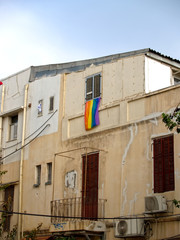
x=2 y=107
x=20 y=232
x=1 y=122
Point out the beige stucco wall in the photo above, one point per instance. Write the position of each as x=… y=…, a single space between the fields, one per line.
x=129 y=120
x=37 y=199
x=120 y=80
x=126 y=163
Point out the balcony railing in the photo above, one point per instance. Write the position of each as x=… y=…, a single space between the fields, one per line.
x=71 y=209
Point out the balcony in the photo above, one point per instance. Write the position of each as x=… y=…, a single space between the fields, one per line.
x=72 y=208
x=75 y=214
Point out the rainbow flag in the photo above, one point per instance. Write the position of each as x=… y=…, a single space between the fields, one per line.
x=91 y=116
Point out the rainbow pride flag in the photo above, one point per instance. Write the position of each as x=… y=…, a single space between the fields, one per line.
x=91 y=116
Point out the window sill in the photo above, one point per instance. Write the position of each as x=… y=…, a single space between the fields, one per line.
x=48 y=183
x=36 y=185
x=51 y=111
x=11 y=140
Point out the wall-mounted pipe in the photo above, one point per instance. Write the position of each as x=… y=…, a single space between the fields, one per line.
x=20 y=232
x=2 y=107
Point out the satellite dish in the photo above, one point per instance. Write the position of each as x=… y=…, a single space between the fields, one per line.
x=122 y=227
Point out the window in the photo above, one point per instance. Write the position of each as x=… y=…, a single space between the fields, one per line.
x=49 y=173
x=93 y=87
x=176 y=81
x=176 y=76
x=51 y=104
x=8 y=206
x=38 y=176
x=40 y=107
x=13 y=127
x=163 y=152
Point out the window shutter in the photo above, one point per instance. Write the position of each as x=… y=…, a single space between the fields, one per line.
x=168 y=155
x=97 y=85
x=49 y=166
x=90 y=186
x=89 y=88
x=158 y=166
x=164 y=164
x=51 y=104
x=38 y=174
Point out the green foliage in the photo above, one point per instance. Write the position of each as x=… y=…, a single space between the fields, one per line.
x=176 y=203
x=31 y=235
x=12 y=234
x=2 y=187
x=172 y=120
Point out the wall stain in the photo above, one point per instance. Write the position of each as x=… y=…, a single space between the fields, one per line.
x=125 y=198
x=132 y=204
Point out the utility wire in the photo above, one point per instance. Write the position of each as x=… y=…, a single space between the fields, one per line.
x=26 y=143
x=84 y=218
x=33 y=132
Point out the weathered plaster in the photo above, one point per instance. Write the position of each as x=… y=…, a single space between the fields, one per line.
x=148 y=185
x=124 y=193
x=177 y=173
x=132 y=204
x=148 y=144
x=154 y=121
x=132 y=134
x=70 y=179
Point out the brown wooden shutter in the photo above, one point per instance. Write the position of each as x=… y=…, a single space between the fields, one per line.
x=90 y=186
x=97 y=79
x=163 y=164
x=158 y=166
x=168 y=156
x=89 y=88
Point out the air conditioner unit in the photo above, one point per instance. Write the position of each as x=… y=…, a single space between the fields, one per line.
x=96 y=226
x=133 y=227
x=155 y=204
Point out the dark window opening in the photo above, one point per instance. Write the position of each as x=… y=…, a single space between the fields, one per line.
x=38 y=176
x=40 y=108
x=49 y=173
x=176 y=81
x=51 y=104
x=13 y=127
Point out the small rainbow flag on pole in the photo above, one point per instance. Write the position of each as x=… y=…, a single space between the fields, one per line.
x=91 y=116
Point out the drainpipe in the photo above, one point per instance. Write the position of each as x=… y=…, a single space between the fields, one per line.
x=2 y=106
x=1 y=120
x=20 y=233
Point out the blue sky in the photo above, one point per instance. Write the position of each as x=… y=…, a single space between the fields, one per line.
x=38 y=32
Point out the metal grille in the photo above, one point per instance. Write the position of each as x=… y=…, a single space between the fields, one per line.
x=71 y=208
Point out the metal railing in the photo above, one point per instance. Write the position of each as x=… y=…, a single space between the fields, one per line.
x=71 y=209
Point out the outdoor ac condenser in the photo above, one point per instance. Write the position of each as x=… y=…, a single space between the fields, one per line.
x=133 y=227
x=155 y=204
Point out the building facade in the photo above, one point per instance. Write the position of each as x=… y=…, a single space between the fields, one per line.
x=85 y=149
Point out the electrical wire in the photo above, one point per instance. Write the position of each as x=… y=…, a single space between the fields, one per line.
x=26 y=143
x=84 y=218
x=33 y=132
